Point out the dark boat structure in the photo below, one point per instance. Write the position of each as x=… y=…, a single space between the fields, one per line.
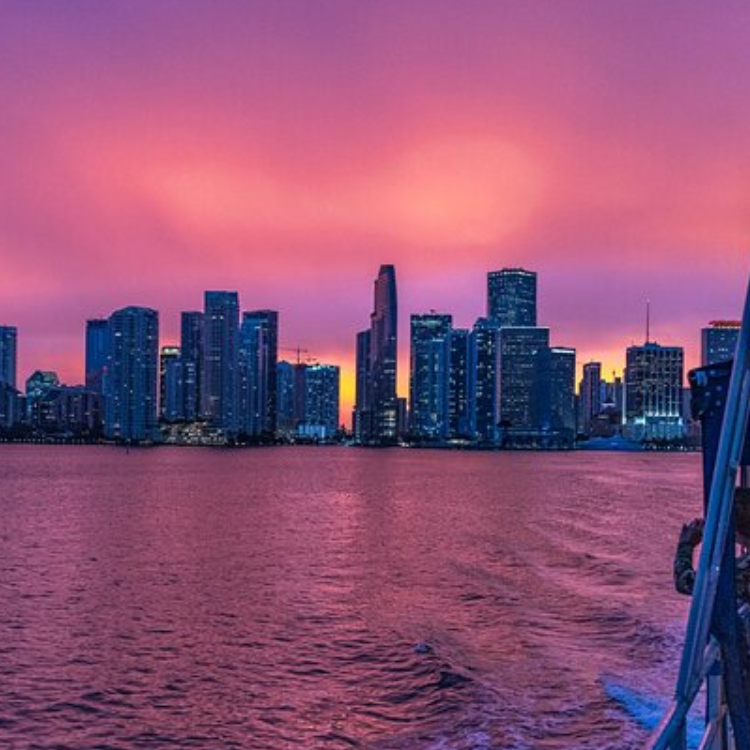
x=716 y=654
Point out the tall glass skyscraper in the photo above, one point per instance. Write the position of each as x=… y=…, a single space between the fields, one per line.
x=521 y=382
x=590 y=395
x=458 y=393
x=362 y=414
x=97 y=351
x=258 y=357
x=484 y=373
x=170 y=384
x=376 y=411
x=191 y=355
x=130 y=383
x=511 y=297
x=8 y=355
x=429 y=383
x=219 y=374
x=562 y=392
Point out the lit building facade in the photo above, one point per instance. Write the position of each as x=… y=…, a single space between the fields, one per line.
x=511 y=297
x=561 y=376
x=219 y=373
x=459 y=419
x=130 y=383
x=97 y=352
x=654 y=392
x=483 y=388
x=258 y=359
x=191 y=356
x=718 y=341
x=521 y=383
x=590 y=395
x=429 y=383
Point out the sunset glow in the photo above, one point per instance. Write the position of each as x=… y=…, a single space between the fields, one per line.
x=286 y=150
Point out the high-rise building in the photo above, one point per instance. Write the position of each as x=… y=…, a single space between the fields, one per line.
x=718 y=341
x=429 y=383
x=191 y=355
x=219 y=373
x=130 y=383
x=381 y=424
x=171 y=385
x=591 y=395
x=97 y=352
x=8 y=355
x=522 y=350
x=258 y=357
x=484 y=372
x=654 y=392
x=562 y=392
x=460 y=380
x=511 y=297
x=362 y=414
x=321 y=398
x=286 y=415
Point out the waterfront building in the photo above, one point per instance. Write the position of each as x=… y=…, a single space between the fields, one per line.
x=377 y=409
x=484 y=373
x=170 y=383
x=591 y=395
x=191 y=356
x=65 y=411
x=321 y=401
x=459 y=421
x=522 y=386
x=286 y=417
x=654 y=392
x=8 y=355
x=130 y=383
x=561 y=378
x=97 y=352
x=429 y=384
x=219 y=372
x=511 y=297
x=258 y=358
x=362 y=414
x=718 y=341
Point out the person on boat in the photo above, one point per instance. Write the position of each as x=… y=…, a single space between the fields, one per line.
x=692 y=535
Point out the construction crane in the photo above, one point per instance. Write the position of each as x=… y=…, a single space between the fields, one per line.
x=299 y=351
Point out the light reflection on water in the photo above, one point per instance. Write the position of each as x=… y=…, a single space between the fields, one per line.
x=272 y=598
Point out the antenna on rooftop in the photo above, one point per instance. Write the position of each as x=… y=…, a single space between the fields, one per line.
x=648 y=321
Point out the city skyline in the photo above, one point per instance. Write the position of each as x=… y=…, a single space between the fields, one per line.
x=286 y=151
x=347 y=361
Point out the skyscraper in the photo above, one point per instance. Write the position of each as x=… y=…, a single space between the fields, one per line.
x=590 y=395
x=382 y=427
x=511 y=297
x=562 y=392
x=362 y=415
x=429 y=383
x=321 y=399
x=484 y=372
x=130 y=383
x=718 y=341
x=170 y=384
x=522 y=350
x=258 y=357
x=458 y=393
x=8 y=355
x=653 y=392
x=97 y=352
x=191 y=354
x=219 y=374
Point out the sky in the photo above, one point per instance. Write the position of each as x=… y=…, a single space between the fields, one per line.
x=153 y=149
